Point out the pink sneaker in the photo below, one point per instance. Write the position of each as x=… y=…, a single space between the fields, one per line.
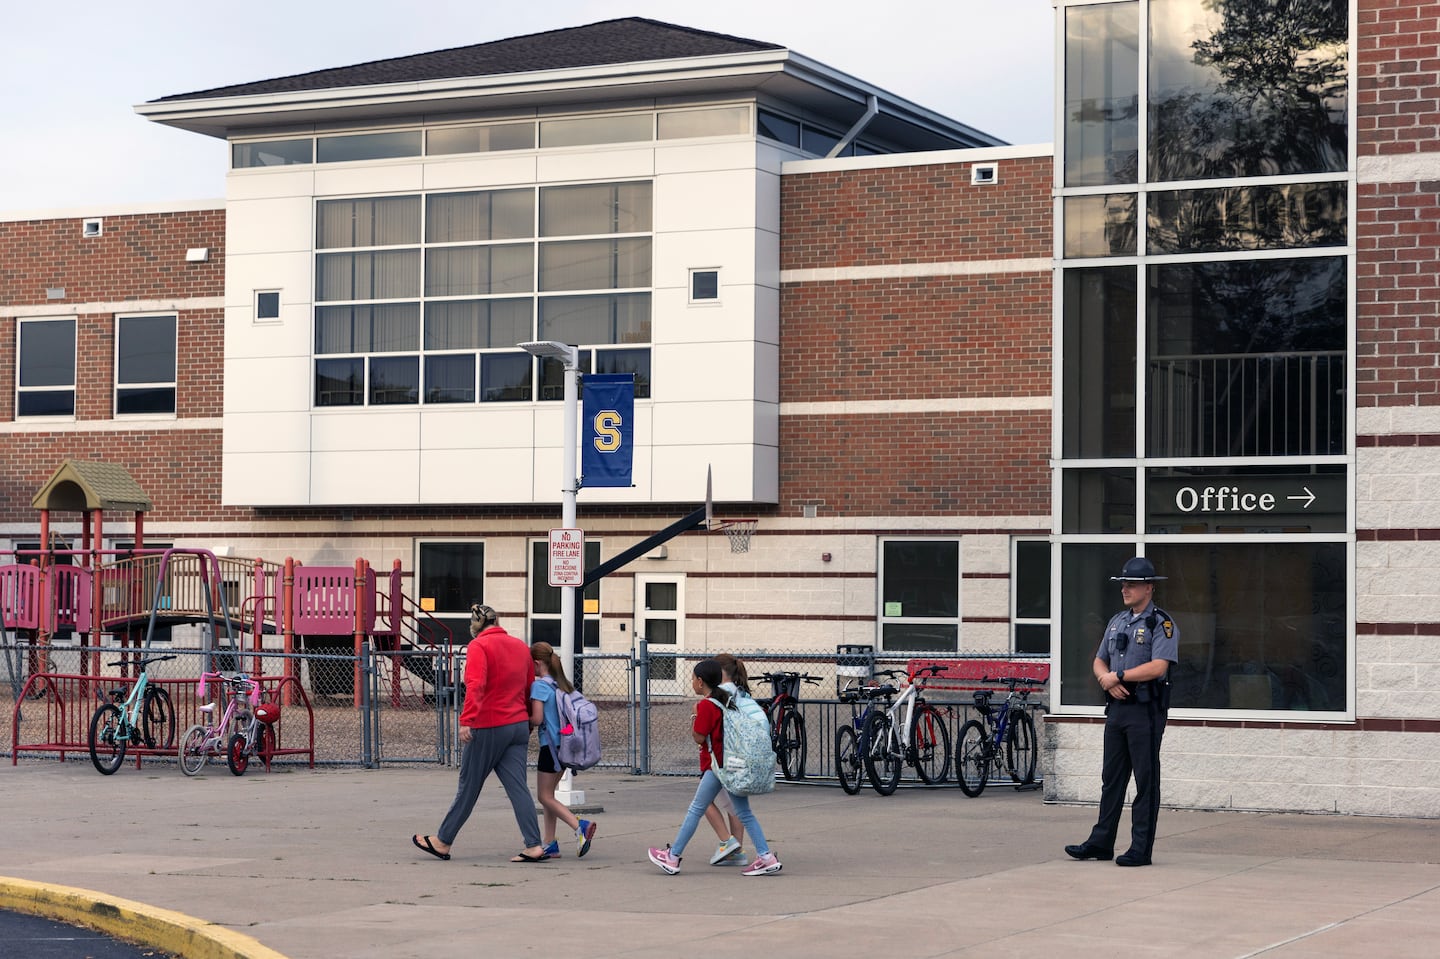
x=668 y=861
x=762 y=866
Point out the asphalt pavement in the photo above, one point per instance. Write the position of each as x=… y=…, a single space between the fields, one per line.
x=318 y=864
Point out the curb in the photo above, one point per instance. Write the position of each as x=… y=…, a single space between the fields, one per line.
x=132 y=921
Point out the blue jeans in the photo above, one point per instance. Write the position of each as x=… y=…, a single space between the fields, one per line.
x=705 y=794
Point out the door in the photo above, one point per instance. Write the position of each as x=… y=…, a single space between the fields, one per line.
x=660 y=619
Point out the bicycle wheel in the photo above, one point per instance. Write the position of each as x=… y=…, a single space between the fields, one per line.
x=882 y=762
x=107 y=738
x=1021 y=748
x=157 y=719
x=930 y=736
x=791 y=739
x=236 y=756
x=849 y=766
x=266 y=750
x=192 y=750
x=972 y=758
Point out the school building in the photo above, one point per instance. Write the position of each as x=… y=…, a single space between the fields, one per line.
x=957 y=382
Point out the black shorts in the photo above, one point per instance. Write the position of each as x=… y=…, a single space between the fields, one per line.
x=546 y=762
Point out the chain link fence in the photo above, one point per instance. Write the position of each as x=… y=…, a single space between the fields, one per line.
x=390 y=707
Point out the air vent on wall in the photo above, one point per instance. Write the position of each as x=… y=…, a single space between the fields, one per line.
x=984 y=174
x=92 y=227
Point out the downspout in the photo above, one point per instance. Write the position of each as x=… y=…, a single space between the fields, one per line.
x=872 y=110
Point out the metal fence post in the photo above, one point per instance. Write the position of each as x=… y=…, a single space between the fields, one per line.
x=367 y=706
x=642 y=696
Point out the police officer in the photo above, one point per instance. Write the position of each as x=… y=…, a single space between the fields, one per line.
x=1132 y=666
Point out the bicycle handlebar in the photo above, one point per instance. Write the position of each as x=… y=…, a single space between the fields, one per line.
x=144 y=662
x=1013 y=681
x=772 y=677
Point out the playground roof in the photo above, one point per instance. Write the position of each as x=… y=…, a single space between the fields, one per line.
x=82 y=485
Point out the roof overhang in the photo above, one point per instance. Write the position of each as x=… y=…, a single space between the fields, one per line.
x=782 y=74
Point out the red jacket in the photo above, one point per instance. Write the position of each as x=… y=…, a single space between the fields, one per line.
x=498 y=673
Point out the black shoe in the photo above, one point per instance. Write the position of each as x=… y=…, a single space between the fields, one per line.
x=1132 y=858
x=1087 y=851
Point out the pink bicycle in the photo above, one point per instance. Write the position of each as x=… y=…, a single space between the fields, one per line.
x=245 y=729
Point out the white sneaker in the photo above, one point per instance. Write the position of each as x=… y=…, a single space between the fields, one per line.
x=665 y=859
x=724 y=851
x=763 y=865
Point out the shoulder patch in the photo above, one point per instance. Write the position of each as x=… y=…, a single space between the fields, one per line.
x=1169 y=628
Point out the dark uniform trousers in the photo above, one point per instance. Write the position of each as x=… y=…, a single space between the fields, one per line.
x=1133 y=730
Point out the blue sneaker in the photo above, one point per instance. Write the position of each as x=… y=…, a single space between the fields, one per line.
x=552 y=851
x=583 y=835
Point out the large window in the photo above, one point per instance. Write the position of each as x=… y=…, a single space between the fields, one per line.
x=545 y=625
x=449 y=577
x=45 y=383
x=920 y=595
x=145 y=364
x=422 y=299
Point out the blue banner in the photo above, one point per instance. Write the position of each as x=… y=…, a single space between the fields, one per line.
x=607 y=448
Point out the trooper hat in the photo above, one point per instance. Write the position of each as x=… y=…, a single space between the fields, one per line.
x=1137 y=569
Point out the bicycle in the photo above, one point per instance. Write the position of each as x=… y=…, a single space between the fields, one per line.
x=787 y=724
x=909 y=730
x=146 y=715
x=1002 y=739
x=201 y=741
x=256 y=736
x=850 y=738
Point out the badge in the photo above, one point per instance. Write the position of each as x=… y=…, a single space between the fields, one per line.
x=1169 y=628
x=1140 y=635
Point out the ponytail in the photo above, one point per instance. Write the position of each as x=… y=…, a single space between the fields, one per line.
x=545 y=653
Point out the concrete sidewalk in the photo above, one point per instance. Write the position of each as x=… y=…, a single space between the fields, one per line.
x=318 y=864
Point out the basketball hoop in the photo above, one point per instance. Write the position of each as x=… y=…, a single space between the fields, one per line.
x=738 y=532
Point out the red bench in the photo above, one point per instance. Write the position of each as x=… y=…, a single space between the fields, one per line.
x=964 y=675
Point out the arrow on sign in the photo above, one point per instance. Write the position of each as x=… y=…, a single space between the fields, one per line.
x=1309 y=497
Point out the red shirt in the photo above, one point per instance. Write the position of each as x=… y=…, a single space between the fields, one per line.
x=498 y=673
x=709 y=721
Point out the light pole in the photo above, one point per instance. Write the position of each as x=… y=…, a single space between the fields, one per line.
x=570 y=357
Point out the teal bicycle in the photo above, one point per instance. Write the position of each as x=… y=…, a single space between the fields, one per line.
x=146 y=716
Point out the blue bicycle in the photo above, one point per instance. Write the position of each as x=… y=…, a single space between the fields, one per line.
x=850 y=737
x=1001 y=739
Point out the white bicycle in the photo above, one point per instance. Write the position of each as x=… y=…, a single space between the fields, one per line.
x=909 y=730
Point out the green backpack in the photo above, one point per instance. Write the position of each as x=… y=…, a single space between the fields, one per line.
x=749 y=768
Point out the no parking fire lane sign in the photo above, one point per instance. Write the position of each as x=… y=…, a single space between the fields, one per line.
x=567 y=557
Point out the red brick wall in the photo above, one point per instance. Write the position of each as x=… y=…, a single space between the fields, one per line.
x=1397 y=242
x=915 y=214
x=136 y=257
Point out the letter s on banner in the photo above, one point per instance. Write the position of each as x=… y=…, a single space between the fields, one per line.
x=608 y=448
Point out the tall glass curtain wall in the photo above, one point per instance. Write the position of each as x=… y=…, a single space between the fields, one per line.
x=422 y=298
x=1205 y=330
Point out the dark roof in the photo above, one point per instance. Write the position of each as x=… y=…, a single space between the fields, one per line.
x=627 y=40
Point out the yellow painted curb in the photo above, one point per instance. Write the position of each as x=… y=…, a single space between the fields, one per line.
x=172 y=932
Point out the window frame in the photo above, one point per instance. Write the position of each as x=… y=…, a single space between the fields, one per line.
x=882 y=575
x=117 y=386
x=24 y=322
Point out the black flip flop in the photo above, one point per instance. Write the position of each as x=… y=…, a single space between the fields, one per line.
x=526 y=857
x=428 y=847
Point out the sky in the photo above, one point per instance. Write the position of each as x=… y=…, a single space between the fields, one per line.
x=72 y=72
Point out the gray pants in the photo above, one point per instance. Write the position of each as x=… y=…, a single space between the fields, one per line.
x=503 y=750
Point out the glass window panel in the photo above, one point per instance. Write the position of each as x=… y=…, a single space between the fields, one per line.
x=1262 y=625
x=1032 y=579
x=1099 y=371
x=377 y=275
x=595 y=208
x=1102 y=94
x=272 y=153
x=1246 y=218
x=367 y=146
x=595 y=264
x=267 y=305
x=45 y=403
x=775 y=127
x=1100 y=225
x=1246 y=499
x=1098 y=501
x=484 y=139
x=818 y=142
x=468 y=217
x=47 y=353
x=578 y=131
x=394 y=380
x=617 y=318
x=505 y=377
x=451 y=576
x=471 y=270
x=552 y=376
x=920 y=637
x=724 y=121
x=377 y=221
x=704 y=284
x=340 y=382
x=1090 y=600
x=921 y=578
x=545 y=598
x=145 y=349
x=450 y=379
x=1032 y=638
x=367 y=328
x=636 y=362
x=476 y=324
x=1247 y=358
x=138 y=400
x=1223 y=104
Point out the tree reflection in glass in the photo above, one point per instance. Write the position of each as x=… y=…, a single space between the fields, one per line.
x=1247 y=88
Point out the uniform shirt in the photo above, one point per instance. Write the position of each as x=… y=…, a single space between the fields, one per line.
x=1149 y=634
x=498 y=673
